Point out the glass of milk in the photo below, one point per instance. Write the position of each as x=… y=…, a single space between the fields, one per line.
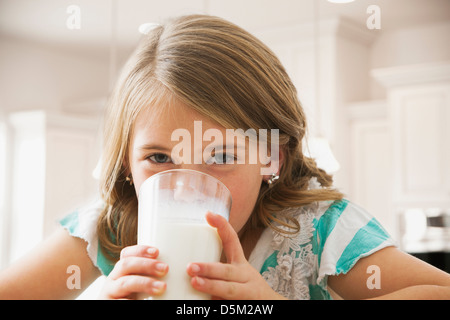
x=171 y=217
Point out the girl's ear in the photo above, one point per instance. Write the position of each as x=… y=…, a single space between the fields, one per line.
x=127 y=172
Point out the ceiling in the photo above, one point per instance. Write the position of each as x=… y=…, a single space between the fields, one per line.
x=44 y=21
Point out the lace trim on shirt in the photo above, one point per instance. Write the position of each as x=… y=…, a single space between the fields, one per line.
x=296 y=261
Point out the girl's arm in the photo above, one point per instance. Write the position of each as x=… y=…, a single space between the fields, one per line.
x=44 y=272
x=392 y=274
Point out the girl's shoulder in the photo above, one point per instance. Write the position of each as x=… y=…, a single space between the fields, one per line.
x=333 y=236
x=82 y=223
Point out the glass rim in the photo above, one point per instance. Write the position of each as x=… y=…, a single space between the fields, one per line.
x=190 y=171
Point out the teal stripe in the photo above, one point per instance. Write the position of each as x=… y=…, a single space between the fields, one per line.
x=271 y=262
x=105 y=265
x=367 y=238
x=325 y=225
x=316 y=292
x=70 y=222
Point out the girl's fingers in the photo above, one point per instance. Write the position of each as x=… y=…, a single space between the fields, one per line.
x=139 y=251
x=127 y=285
x=230 y=240
x=139 y=266
x=219 y=288
x=222 y=271
x=135 y=272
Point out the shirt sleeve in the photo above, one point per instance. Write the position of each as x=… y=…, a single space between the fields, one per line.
x=345 y=234
x=82 y=223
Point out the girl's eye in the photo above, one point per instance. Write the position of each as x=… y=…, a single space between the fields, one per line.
x=159 y=158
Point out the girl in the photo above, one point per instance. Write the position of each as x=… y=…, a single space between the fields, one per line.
x=290 y=234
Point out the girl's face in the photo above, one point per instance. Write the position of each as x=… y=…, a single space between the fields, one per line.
x=151 y=147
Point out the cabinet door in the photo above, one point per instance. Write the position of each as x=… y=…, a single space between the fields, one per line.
x=372 y=169
x=420 y=116
x=71 y=156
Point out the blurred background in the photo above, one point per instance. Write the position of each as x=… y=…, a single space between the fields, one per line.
x=373 y=77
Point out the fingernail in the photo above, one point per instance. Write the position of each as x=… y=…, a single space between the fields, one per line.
x=195 y=268
x=158 y=286
x=151 y=251
x=161 y=267
x=199 y=281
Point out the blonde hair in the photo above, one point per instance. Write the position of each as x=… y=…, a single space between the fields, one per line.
x=226 y=74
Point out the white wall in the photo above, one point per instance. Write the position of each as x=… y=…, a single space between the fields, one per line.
x=36 y=76
x=415 y=45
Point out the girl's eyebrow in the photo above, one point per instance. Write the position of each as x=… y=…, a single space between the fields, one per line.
x=153 y=147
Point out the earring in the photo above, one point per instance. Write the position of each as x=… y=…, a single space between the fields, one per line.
x=128 y=178
x=272 y=179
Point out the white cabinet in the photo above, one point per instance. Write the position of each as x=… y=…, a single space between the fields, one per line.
x=419 y=116
x=371 y=160
x=50 y=159
x=421 y=144
x=400 y=148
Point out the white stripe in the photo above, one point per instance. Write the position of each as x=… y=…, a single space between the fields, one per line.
x=389 y=242
x=87 y=219
x=349 y=223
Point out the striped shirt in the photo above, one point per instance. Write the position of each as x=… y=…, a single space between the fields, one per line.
x=333 y=236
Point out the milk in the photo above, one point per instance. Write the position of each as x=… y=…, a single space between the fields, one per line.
x=180 y=240
x=182 y=243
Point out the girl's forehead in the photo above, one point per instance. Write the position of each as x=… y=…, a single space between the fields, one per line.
x=169 y=115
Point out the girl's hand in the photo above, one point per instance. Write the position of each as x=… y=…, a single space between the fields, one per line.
x=234 y=280
x=136 y=272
